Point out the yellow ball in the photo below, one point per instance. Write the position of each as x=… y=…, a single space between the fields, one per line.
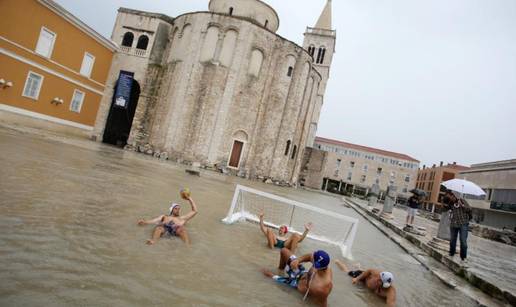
x=185 y=193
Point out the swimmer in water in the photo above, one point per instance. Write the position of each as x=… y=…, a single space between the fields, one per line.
x=378 y=282
x=282 y=239
x=172 y=224
x=315 y=282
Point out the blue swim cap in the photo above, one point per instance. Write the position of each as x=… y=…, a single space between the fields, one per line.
x=321 y=259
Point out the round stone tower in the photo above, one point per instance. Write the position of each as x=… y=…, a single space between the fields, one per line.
x=255 y=11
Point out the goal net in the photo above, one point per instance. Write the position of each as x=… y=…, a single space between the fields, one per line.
x=328 y=226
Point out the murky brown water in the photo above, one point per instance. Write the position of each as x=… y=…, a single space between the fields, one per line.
x=68 y=236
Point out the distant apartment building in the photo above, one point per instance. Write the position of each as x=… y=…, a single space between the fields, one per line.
x=429 y=179
x=498 y=180
x=53 y=67
x=341 y=167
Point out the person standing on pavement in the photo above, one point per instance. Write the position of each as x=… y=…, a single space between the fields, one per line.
x=413 y=205
x=460 y=214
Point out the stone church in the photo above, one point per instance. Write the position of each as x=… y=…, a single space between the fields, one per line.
x=217 y=88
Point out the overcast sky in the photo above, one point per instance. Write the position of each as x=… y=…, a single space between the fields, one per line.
x=434 y=79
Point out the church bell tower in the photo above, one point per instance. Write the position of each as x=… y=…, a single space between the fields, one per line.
x=320 y=43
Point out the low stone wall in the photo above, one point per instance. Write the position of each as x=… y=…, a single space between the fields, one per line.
x=508 y=237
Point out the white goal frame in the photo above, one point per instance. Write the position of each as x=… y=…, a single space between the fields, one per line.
x=233 y=217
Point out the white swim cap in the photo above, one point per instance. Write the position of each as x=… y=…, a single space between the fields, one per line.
x=173 y=206
x=387 y=279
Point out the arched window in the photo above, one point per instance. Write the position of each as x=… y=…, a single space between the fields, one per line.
x=210 y=44
x=266 y=23
x=143 y=41
x=127 y=41
x=290 y=70
x=255 y=64
x=287 y=148
x=294 y=150
x=228 y=48
x=231 y=11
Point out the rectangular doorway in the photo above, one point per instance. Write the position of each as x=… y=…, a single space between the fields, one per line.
x=236 y=153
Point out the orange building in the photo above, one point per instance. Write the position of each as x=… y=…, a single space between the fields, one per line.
x=53 y=67
x=429 y=179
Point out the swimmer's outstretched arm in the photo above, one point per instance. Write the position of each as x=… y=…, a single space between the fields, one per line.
x=362 y=276
x=262 y=226
x=341 y=266
x=192 y=213
x=151 y=221
x=308 y=227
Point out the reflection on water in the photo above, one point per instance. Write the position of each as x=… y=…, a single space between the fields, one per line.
x=68 y=236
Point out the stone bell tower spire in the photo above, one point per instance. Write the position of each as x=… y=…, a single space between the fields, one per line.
x=324 y=21
x=320 y=43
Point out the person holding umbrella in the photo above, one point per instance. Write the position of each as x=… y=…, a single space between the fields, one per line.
x=413 y=204
x=460 y=211
x=460 y=214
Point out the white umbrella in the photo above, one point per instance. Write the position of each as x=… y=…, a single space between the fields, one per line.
x=464 y=187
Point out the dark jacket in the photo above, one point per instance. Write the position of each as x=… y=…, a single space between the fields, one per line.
x=460 y=211
x=413 y=202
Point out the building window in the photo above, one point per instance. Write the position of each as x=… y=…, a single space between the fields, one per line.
x=365 y=168
x=87 y=64
x=323 y=54
x=287 y=149
x=143 y=42
x=320 y=55
x=338 y=163
x=127 y=41
x=77 y=99
x=407 y=178
x=266 y=23
x=405 y=189
x=363 y=179
x=351 y=164
x=294 y=151
x=32 y=85
x=231 y=11
x=311 y=51
x=290 y=70
x=393 y=174
x=46 y=42
x=350 y=174
x=379 y=171
x=377 y=181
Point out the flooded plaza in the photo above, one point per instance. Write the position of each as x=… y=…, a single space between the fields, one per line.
x=68 y=236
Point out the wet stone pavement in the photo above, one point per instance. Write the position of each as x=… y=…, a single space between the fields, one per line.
x=489 y=260
x=68 y=236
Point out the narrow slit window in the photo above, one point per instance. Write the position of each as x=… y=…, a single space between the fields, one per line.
x=231 y=11
x=287 y=149
x=290 y=70
x=294 y=151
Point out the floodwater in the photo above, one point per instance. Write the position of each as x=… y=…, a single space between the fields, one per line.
x=68 y=236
